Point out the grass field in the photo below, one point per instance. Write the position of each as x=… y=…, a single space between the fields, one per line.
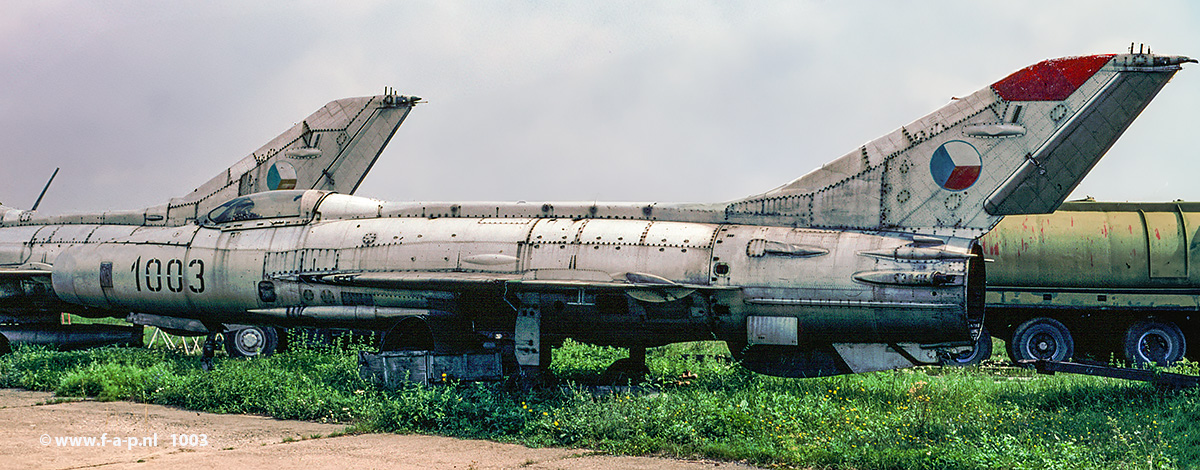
x=935 y=418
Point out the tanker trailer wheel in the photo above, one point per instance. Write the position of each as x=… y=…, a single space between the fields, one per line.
x=974 y=356
x=1158 y=342
x=251 y=341
x=1041 y=338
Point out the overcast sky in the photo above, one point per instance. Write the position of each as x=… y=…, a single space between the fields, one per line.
x=686 y=101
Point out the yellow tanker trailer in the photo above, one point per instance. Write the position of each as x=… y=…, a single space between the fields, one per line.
x=1096 y=279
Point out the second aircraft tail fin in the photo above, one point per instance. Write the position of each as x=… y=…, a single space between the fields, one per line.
x=1018 y=146
x=333 y=149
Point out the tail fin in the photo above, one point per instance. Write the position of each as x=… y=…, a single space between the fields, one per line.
x=1019 y=146
x=332 y=149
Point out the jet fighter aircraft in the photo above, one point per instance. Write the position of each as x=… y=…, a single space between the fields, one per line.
x=331 y=150
x=867 y=263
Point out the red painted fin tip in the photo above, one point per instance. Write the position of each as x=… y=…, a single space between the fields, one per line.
x=1050 y=80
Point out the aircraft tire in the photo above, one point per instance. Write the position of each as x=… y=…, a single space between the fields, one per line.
x=1152 y=341
x=737 y=349
x=981 y=351
x=1041 y=338
x=251 y=341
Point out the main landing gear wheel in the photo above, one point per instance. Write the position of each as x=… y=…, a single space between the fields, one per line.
x=974 y=356
x=251 y=341
x=1157 y=342
x=737 y=349
x=1041 y=338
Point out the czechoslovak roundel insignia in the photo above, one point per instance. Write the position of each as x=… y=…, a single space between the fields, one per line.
x=955 y=165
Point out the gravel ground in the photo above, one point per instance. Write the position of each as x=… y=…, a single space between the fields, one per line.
x=38 y=427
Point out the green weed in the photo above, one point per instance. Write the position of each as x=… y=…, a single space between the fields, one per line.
x=698 y=404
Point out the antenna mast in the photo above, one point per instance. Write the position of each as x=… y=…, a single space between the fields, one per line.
x=40 y=196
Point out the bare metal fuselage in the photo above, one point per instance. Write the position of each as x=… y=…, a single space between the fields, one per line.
x=345 y=260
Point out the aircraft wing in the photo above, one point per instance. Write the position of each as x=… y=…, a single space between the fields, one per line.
x=24 y=272
x=414 y=280
x=641 y=286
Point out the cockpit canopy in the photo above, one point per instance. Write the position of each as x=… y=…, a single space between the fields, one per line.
x=286 y=204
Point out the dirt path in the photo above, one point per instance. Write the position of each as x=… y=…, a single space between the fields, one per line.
x=36 y=431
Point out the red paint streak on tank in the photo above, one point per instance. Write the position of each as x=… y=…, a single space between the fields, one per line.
x=1156 y=235
x=1131 y=230
x=1050 y=80
x=1104 y=230
x=1072 y=221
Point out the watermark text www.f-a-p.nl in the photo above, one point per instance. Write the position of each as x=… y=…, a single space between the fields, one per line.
x=125 y=442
